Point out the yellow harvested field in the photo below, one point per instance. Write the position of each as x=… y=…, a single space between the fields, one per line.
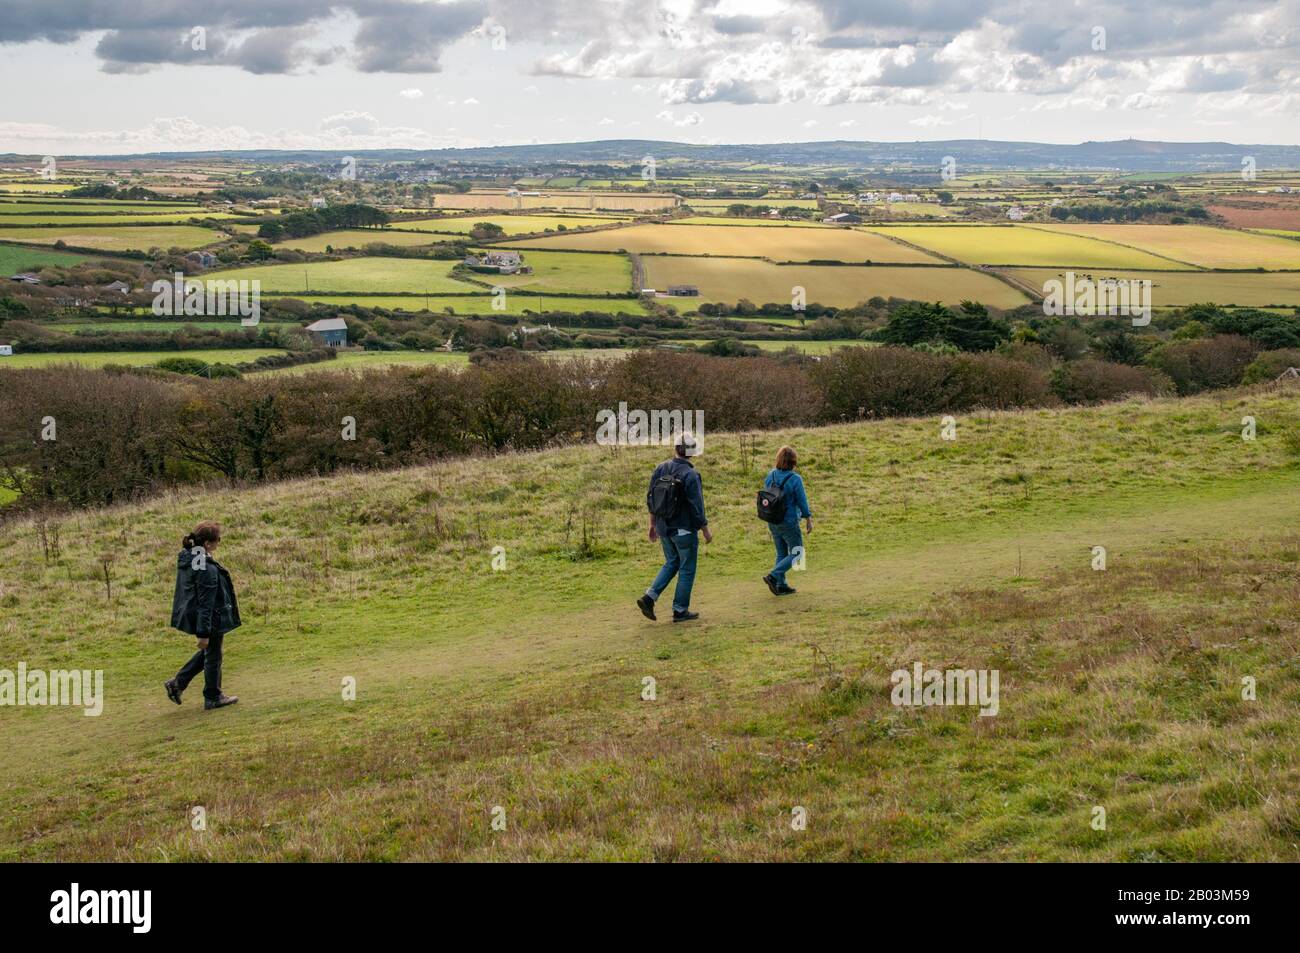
x=1019 y=245
x=778 y=244
x=727 y=280
x=1195 y=244
x=1177 y=288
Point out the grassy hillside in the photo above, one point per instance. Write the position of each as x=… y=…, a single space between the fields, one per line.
x=522 y=688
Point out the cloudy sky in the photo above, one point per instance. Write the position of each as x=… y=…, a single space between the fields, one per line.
x=105 y=76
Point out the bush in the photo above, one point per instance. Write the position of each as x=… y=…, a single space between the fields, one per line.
x=182 y=365
x=1091 y=382
x=1204 y=364
x=1270 y=364
x=860 y=382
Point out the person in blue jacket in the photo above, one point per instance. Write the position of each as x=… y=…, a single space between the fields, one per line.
x=676 y=531
x=786 y=535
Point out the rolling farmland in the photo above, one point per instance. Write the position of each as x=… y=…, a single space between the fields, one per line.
x=1194 y=244
x=1177 y=288
x=1019 y=245
x=110 y=238
x=730 y=279
x=353 y=274
x=779 y=244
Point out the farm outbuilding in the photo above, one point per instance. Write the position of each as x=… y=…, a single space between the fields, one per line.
x=332 y=332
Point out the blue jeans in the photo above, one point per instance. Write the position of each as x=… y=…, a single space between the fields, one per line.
x=787 y=538
x=679 y=560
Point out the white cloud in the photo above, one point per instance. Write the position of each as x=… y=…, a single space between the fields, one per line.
x=412 y=93
x=690 y=119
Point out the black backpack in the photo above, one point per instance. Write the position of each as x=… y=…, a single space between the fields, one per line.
x=666 y=495
x=771 y=502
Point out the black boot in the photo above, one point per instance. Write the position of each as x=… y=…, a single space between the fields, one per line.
x=647 y=607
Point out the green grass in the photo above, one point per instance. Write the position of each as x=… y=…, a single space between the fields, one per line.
x=516 y=302
x=133 y=217
x=353 y=274
x=116 y=238
x=39 y=210
x=357 y=238
x=136 y=358
x=162 y=327
x=358 y=360
x=14 y=259
x=553 y=272
x=523 y=688
x=569 y=273
x=513 y=224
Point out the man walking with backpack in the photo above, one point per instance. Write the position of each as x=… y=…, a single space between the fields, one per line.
x=676 y=503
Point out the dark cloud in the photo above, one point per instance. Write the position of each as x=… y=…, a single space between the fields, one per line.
x=739 y=25
x=397 y=36
x=408 y=37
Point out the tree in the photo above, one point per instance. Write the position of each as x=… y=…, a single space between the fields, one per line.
x=259 y=250
x=915 y=322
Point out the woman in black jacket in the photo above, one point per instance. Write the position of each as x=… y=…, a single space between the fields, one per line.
x=204 y=606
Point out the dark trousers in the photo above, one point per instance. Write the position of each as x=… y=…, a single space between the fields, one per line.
x=207 y=661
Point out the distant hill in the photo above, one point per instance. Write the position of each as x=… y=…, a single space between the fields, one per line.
x=1136 y=155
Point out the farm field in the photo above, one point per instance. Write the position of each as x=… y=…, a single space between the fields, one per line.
x=1177 y=288
x=11 y=206
x=1194 y=244
x=359 y=360
x=352 y=274
x=128 y=324
x=137 y=358
x=728 y=280
x=516 y=302
x=552 y=271
x=357 y=238
x=569 y=272
x=37 y=187
x=931 y=209
x=513 y=224
x=721 y=204
x=718 y=221
x=122 y=218
x=1017 y=245
x=809 y=347
x=790 y=244
x=14 y=258
x=116 y=238
x=1117 y=687
x=1260 y=213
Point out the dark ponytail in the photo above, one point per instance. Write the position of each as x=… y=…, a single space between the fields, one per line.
x=203 y=534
